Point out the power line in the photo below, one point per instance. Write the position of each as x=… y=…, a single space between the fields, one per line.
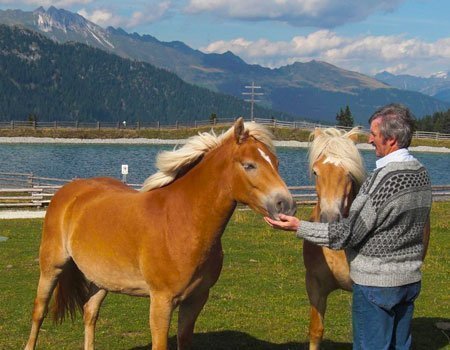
x=252 y=94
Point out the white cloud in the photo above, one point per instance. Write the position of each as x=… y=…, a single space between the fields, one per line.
x=150 y=14
x=366 y=54
x=102 y=17
x=47 y=3
x=105 y=17
x=316 y=13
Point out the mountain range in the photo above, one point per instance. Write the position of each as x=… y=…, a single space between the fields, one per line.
x=313 y=90
x=437 y=85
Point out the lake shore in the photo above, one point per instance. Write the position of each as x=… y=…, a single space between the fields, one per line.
x=143 y=141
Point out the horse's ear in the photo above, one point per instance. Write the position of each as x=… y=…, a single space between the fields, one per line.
x=240 y=133
x=315 y=134
x=353 y=137
x=354 y=134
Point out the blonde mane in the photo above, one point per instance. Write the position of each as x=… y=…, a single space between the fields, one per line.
x=171 y=163
x=339 y=149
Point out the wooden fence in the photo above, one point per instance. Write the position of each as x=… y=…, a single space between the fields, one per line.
x=14 y=124
x=19 y=190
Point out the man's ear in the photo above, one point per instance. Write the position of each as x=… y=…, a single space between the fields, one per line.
x=391 y=141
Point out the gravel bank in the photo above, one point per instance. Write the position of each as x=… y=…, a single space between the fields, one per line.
x=22 y=214
x=143 y=141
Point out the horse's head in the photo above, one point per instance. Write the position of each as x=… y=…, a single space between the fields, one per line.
x=246 y=160
x=338 y=169
x=255 y=178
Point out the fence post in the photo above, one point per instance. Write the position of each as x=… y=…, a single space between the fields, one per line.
x=34 y=124
x=176 y=124
x=158 y=124
x=138 y=125
x=55 y=124
x=30 y=180
x=12 y=124
x=98 y=125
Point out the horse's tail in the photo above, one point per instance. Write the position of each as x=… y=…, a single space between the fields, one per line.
x=71 y=292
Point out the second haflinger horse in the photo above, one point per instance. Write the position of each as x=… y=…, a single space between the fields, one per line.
x=164 y=241
x=339 y=172
x=338 y=169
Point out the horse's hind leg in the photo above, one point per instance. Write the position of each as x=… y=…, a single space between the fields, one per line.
x=90 y=315
x=52 y=261
x=188 y=313
x=47 y=283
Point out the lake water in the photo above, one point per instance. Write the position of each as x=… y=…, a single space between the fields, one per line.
x=67 y=161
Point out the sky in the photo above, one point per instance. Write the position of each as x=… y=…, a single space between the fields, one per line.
x=367 y=36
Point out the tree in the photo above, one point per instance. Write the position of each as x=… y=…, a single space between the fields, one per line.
x=344 y=117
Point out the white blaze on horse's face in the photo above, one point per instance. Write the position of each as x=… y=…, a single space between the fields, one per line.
x=265 y=156
x=330 y=160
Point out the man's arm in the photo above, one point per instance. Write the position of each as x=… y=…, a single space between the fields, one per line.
x=426 y=238
x=337 y=235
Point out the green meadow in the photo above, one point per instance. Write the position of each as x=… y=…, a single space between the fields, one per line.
x=259 y=301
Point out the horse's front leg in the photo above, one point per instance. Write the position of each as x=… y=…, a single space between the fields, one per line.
x=90 y=315
x=161 y=308
x=188 y=313
x=318 y=301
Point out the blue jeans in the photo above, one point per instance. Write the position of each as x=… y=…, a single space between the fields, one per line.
x=382 y=316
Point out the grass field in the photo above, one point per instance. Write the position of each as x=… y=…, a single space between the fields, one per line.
x=258 y=303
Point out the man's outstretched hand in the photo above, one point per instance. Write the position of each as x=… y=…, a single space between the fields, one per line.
x=286 y=222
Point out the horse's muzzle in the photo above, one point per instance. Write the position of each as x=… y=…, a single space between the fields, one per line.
x=281 y=203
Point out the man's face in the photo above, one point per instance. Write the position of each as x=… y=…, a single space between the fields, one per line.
x=382 y=146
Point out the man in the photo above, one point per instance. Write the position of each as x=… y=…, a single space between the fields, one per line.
x=383 y=235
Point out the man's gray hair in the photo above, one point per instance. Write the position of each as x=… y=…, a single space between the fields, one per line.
x=397 y=122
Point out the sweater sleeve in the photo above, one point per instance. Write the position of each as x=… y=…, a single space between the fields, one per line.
x=348 y=232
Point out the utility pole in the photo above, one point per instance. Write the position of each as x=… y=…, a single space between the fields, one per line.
x=252 y=94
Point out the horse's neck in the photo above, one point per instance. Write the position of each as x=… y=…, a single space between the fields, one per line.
x=205 y=192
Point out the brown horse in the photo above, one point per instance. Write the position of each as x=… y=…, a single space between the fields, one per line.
x=339 y=172
x=163 y=241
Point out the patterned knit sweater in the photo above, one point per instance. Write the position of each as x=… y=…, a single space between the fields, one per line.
x=384 y=230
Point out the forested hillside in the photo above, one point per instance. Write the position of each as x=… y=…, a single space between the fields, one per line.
x=73 y=81
x=438 y=122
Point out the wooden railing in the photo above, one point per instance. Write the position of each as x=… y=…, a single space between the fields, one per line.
x=20 y=124
x=26 y=190
x=18 y=190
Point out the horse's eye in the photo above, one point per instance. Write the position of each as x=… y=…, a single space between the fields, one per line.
x=248 y=166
